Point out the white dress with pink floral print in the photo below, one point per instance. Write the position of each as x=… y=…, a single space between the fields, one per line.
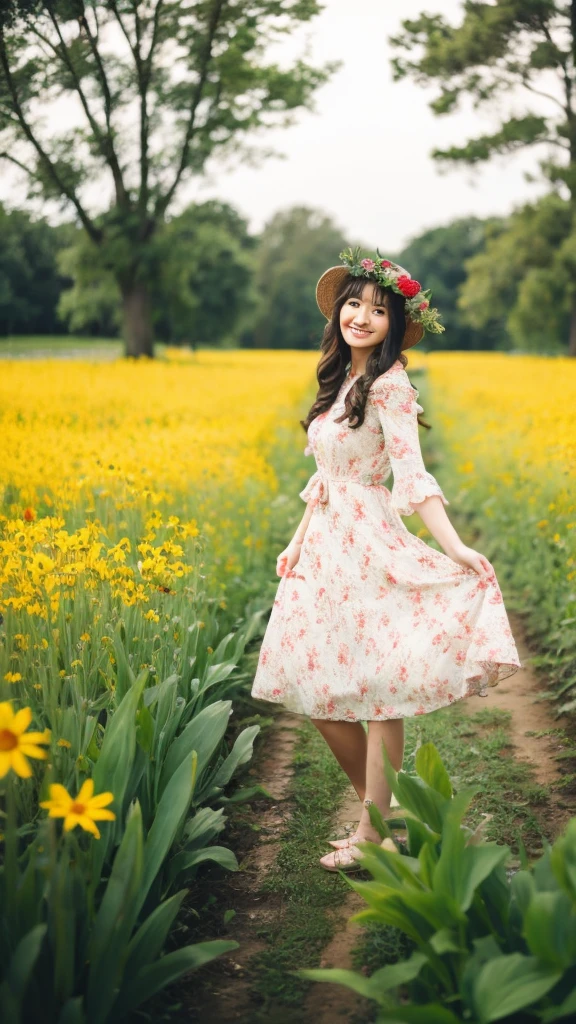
x=372 y=622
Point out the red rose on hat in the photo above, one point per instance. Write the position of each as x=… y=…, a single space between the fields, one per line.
x=385 y=263
x=408 y=287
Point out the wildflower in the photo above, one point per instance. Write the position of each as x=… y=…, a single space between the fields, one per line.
x=16 y=744
x=83 y=810
x=29 y=515
x=85 y=637
x=12 y=677
x=64 y=743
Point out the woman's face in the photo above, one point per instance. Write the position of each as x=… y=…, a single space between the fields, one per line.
x=364 y=325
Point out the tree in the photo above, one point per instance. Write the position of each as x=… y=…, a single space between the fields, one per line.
x=438 y=258
x=500 y=51
x=519 y=283
x=161 y=87
x=295 y=248
x=203 y=290
x=30 y=280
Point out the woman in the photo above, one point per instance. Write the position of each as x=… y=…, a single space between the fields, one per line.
x=370 y=623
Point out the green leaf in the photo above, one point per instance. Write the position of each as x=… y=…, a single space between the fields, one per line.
x=550 y=929
x=187 y=859
x=155 y=977
x=461 y=868
x=17 y=974
x=511 y=983
x=338 y=976
x=148 y=941
x=431 y=770
x=241 y=753
x=73 y=1012
x=170 y=812
x=202 y=734
x=392 y=975
x=115 y=921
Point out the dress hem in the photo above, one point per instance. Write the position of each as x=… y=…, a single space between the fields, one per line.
x=477 y=687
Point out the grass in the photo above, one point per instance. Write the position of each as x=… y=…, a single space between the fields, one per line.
x=305 y=894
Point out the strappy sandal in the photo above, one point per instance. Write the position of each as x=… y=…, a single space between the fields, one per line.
x=345 y=844
x=349 y=859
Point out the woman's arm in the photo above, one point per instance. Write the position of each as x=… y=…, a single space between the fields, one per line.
x=415 y=489
x=433 y=515
x=288 y=558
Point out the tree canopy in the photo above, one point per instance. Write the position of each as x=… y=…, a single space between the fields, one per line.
x=520 y=55
x=157 y=88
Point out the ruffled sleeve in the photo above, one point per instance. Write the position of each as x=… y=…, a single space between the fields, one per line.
x=395 y=399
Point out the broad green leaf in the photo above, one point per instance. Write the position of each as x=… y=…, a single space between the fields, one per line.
x=550 y=929
x=241 y=753
x=155 y=977
x=115 y=921
x=511 y=983
x=73 y=1012
x=203 y=826
x=419 y=835
x=185 y=860
x=392 y=975
x=114 y=766
x=148 y=941
x=203 y=734
x=423 y=801
x=460 y=868
x=446 y=941
x=18 y=972
x=431 y=769
x=170 y=812
x=338 y=976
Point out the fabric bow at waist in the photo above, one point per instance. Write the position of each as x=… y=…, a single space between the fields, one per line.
x=316 y=489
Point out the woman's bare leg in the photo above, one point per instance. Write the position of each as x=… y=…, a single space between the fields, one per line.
x=391 y=733
x=348 y=743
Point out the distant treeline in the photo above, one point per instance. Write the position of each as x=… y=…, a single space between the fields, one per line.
x=216 y=283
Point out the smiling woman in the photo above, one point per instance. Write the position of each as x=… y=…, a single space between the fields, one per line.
x=370 y=623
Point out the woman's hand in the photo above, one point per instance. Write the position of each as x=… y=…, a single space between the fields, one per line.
x=288 y=558
x=471 y=559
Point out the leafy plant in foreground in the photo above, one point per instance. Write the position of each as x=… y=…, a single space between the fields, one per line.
x=489 y=947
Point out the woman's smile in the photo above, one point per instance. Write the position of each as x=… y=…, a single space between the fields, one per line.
x=359 y=332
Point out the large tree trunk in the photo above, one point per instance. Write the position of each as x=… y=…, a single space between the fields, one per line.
x=572 y=335
x=137 y=316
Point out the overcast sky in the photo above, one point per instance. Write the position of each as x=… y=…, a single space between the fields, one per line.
x=363 y=155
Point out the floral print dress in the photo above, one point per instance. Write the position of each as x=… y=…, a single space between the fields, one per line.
x=372 y=623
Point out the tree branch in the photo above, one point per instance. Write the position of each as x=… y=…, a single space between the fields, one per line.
x=70 y=194
x=145 y=75
x=162 y=204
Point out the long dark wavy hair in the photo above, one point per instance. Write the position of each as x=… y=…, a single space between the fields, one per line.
x=332 y=368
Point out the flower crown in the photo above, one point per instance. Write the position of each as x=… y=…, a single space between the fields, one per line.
x=391 y=275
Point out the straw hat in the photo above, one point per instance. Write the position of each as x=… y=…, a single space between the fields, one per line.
x=327 y=291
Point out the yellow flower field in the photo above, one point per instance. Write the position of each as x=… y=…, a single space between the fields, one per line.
x=110 y=470
x=506 y=436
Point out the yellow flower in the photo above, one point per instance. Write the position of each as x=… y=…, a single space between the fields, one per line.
x=64 y=743
x=12 y=677
x=83 y=810
x=16 y=744
x=85 y=637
